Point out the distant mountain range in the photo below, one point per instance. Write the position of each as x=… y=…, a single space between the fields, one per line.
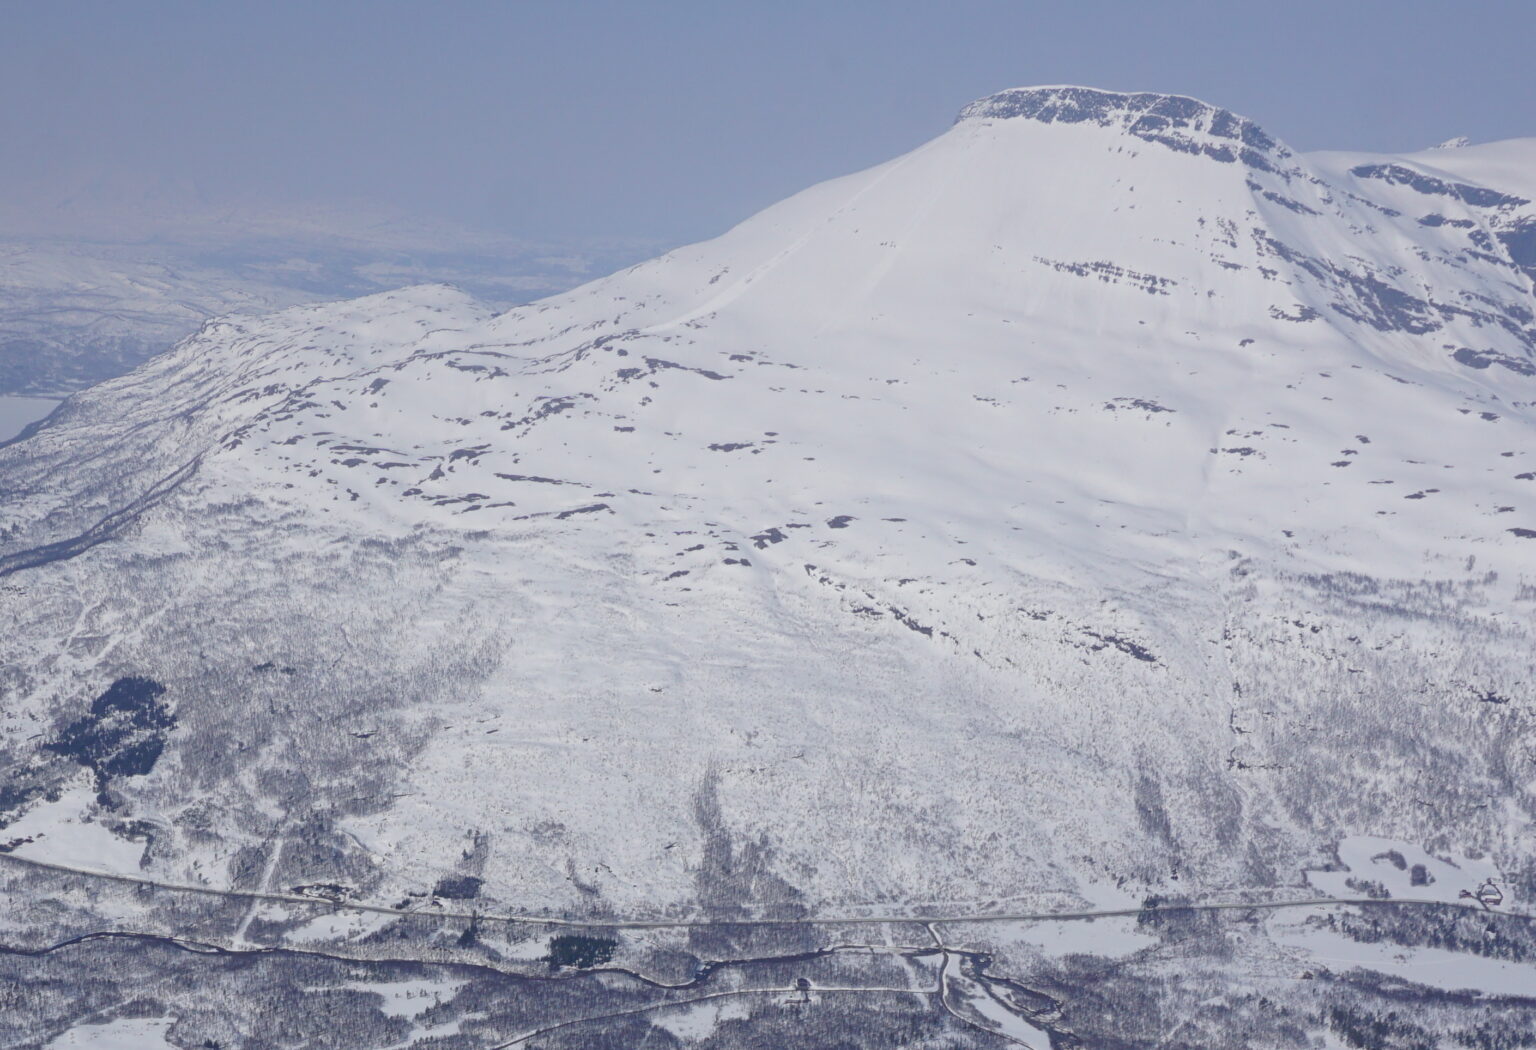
x=93 y=288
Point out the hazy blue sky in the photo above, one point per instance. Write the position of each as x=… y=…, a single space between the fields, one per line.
x=673 y=119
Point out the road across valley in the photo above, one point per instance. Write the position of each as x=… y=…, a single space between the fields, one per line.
x=842 y=920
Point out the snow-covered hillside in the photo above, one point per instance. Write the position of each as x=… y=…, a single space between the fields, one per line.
x=1100 y=500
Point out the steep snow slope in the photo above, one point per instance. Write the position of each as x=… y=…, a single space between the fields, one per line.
x=1100 y=499
x=1496 y=179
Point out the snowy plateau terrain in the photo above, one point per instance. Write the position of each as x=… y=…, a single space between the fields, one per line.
x=1100 y=509
x=98 y=299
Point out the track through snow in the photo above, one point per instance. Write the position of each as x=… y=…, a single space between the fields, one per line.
x=435 y=911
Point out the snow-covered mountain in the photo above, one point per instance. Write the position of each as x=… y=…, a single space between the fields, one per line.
x=1100 y=501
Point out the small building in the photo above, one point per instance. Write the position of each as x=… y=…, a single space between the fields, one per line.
x=1488 y=894
x=803 y=993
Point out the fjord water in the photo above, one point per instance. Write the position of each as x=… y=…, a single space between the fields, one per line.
x=17 y=412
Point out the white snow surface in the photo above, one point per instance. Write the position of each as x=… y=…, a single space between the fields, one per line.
x=71 y=831
x=408 y=998
x=1403 y=870
x=697 y=1022
x=1113 y=938
x=1101 y=491
x=122 y=1034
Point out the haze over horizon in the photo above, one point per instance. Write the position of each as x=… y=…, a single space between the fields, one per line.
x=604 y=120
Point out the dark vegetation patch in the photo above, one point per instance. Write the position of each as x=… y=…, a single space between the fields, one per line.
x=1369 y=1031
x=1159 y=911
x=12 y=798
x=458 y=887
x=123 y=734
x=1447 y=928
x=576 y=950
